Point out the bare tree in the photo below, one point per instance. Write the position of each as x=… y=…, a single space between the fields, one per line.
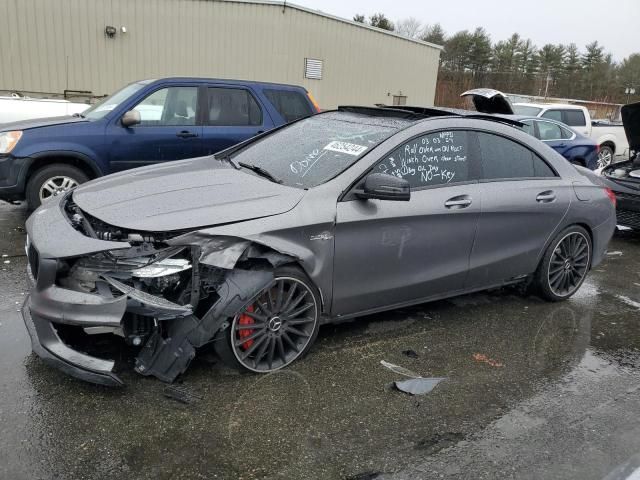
x=410 y=27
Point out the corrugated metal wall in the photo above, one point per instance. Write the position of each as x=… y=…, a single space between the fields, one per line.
x=53 y=45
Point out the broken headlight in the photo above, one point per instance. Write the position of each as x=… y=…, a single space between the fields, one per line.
x=162 y=268
x=158 y=271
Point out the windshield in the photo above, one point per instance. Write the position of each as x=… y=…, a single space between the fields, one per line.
x=100 y=109
x=526 y=110
x=315 y=150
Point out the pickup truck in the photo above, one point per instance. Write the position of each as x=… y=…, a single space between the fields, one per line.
x=610 y=137
x=145 y=122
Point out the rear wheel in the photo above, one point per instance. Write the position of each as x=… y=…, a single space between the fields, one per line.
x=276 y=328
x=605 y=156
x=51 y=181
x=565 y=264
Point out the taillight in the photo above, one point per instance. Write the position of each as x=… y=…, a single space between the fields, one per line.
x=313 y=102
x=611 y=195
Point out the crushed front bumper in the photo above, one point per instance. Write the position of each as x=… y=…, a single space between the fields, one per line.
x=46 y=343
x=48 y=305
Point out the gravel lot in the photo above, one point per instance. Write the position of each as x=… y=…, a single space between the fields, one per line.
x=532 y=390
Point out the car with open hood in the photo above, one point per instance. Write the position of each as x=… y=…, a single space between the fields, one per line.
x=607 y=136
x=345 y=213
x=623 y=178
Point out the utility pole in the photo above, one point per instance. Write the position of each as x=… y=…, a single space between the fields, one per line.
x=546 y=87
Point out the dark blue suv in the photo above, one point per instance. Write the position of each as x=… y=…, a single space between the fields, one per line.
x=146 y=122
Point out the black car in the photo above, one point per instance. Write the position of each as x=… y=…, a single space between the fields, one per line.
x=624 y=177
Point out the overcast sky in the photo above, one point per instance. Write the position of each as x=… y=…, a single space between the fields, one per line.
x=613 y=23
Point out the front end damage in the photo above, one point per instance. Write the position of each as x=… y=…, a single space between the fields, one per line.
x=166 y=294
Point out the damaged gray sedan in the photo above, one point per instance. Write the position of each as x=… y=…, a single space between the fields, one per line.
x=345 y=213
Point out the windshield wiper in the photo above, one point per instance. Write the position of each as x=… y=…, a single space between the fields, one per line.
x=79 y=115
x=260 y=171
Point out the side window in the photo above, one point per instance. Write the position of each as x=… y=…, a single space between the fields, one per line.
x=574 y=118
x=504 y=159
x=553 y=115
x=433 y=159
x=169 y=106
x=549 y=131
x=566 y=133
x=290 y=104
x=232 y=107
x=529 y=128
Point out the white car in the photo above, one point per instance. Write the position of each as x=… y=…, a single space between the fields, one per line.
x=15 y=108
x=609 y=136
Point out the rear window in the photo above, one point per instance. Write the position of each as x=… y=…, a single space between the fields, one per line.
x=316 y=149
x=574 y=118
x=290 y=104
x=553 y=115
x=505 y=159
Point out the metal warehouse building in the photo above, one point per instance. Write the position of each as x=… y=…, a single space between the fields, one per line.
x=49 y=47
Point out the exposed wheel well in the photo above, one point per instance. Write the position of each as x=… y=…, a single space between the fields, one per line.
x=40 y=162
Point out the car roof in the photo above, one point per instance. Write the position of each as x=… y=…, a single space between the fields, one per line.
x=228 y=81
x=545 y=105
x=415 y=114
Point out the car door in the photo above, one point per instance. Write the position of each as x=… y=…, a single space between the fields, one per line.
x=169 y=130
x=232 y=114
x=523 y=201
x=391 y=252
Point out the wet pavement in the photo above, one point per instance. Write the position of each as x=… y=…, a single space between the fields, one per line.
x=531 y=390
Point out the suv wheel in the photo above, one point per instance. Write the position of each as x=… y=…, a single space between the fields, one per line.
x=51 y=181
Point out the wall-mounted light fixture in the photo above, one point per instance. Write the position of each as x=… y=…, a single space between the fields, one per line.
x=110 y=31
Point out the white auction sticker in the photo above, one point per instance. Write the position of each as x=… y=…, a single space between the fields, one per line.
x=344 y=147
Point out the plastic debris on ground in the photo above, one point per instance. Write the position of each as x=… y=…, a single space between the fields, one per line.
x=416 y=385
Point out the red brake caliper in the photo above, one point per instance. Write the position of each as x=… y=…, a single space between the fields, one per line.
x=246 y=320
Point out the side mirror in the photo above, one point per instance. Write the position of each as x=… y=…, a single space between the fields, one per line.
x=131 y=118
x=383 y=186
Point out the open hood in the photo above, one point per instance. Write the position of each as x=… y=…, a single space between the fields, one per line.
x=183 y=195
x=487 y=100
x=631 y=121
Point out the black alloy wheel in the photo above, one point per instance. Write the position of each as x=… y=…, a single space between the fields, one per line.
x=277 y=327
x=565 y=264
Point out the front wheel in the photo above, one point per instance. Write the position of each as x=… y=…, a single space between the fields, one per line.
x=564 y=265
x=276 y=328
x=51 y=181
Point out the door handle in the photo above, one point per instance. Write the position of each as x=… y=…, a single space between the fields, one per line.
x=461 y=201
x=546 y=197
x=186 y=134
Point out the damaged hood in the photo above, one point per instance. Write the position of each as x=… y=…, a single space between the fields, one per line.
x=631 y=122
x=487 y=100
x=182 y=195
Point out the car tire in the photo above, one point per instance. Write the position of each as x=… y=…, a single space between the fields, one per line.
x=605 y=156
x=275 y=345
x=50 y=181
x=564 y=265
